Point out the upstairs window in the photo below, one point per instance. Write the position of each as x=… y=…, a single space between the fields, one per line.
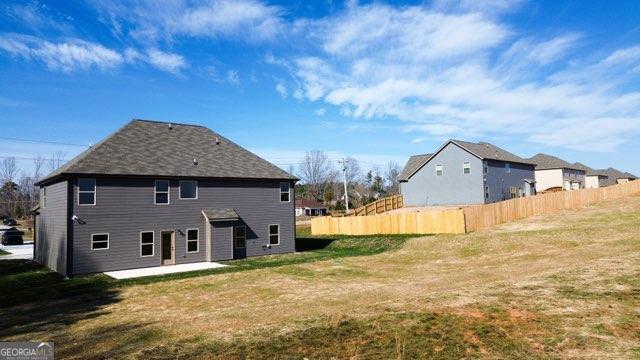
x=99 y=241
x=285 y=192
x=466 y=167
x=240 y=237
x=486 y=168
x=439 y=170
x=162 y=192
x=146 y=243
x=188 y=189
x=86 y=191
x=274 y=234
x=507 y=167
x=192 y=240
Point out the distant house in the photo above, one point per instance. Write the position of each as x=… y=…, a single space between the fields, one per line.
x=555 y=173
x=593 y=178
x=156 y=193
x=310 y=208
x=615 y=176
x=461 y=172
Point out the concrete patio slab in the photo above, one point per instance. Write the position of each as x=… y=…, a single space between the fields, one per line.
x=162 y=270
x=24 y=252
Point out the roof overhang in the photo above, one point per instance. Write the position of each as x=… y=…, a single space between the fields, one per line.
x=218 y=215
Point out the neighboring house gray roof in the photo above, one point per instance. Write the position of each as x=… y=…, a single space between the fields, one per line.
x=412 y=165
x=482 y=150
x=614 y=174
x=153 y=148
x=547 y=162
x=220 y=214
x=589 y=171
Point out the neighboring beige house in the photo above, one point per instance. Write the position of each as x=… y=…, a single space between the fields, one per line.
x=553 y=173
x=615 y=176
x=593 y=178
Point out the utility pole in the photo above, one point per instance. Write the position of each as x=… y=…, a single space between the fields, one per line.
x=344 y=177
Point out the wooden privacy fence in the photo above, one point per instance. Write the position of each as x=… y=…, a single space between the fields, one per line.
x=427 y=222
x=478 y=217
x=471 y=218
x=380 y=206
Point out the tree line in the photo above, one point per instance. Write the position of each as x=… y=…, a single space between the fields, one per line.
x=323 y=180
x=18 y=194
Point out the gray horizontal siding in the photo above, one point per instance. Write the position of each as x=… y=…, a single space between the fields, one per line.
x=500 y=181
x=51 y=228
x=125 y=206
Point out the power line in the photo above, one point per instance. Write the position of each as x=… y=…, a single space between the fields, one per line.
x=42 y=141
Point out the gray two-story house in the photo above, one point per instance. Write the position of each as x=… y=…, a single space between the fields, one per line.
x=553 y=173
x=462 y=172
x=157 y=193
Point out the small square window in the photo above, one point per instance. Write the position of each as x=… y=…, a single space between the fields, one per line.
x=466 y=167
x=274 y=234
x=285 y=192
x=99 y=241
x=188 y=189
x=192 y=240
x=439 y=170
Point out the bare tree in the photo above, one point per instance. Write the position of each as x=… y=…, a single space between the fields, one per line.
x=392 y=176
x=38 y=167
x=352 y=170
x=56 y=160
x=316 y=170
x=291 y=169
x=9 y=170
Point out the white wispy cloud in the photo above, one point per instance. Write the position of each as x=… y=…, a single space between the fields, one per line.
x=64 y=56
x=233 y=78
x=282 y=90
x=463 y=73
x=151 y=21
x=169 y=62
x=321 y=111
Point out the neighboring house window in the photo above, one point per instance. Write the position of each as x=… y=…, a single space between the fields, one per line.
x=466 y=167
x=44 y=197
x=486 y=192
x=192 y=240
x=274 y=234
x=146 y=243
x=240 y=237
x=486 y=168
x=188 y=189
x=86 y=191
x=438 y=170
x=507 y=167
x=162 y=192
x=285 y=191
x=99 y=241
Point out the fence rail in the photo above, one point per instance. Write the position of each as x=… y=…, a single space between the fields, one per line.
x=379 y=206
x=471 y=218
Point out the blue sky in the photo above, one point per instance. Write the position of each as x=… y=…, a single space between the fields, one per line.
x=378 y=81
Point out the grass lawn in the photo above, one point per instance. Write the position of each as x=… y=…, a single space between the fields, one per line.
x=560 y=286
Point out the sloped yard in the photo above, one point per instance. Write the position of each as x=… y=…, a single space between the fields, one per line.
x=565 y=285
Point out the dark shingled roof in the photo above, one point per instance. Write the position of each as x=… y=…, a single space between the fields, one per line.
x=153 y=148
x=615 y=174
x=589 y=171
x=546 y=162
x=487 y=151
x=412 y=165
x=220 y=214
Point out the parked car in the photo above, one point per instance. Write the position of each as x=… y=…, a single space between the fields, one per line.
x=12 y=236
x=9 y=222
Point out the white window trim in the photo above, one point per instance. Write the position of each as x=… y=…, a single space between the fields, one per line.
x=153 y=243
x=180 y=189
x=108 y=242
x=280 y=192
x=464 y=167
x=162 y=192
x=269 y=234
x=95 y=191
x=196 y=240
x=507 y=167
x=245 y=236
x=441 y=170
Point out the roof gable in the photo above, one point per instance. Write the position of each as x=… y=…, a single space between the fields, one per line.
x=414 y=162
x=152 y=148
x=547 y=162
